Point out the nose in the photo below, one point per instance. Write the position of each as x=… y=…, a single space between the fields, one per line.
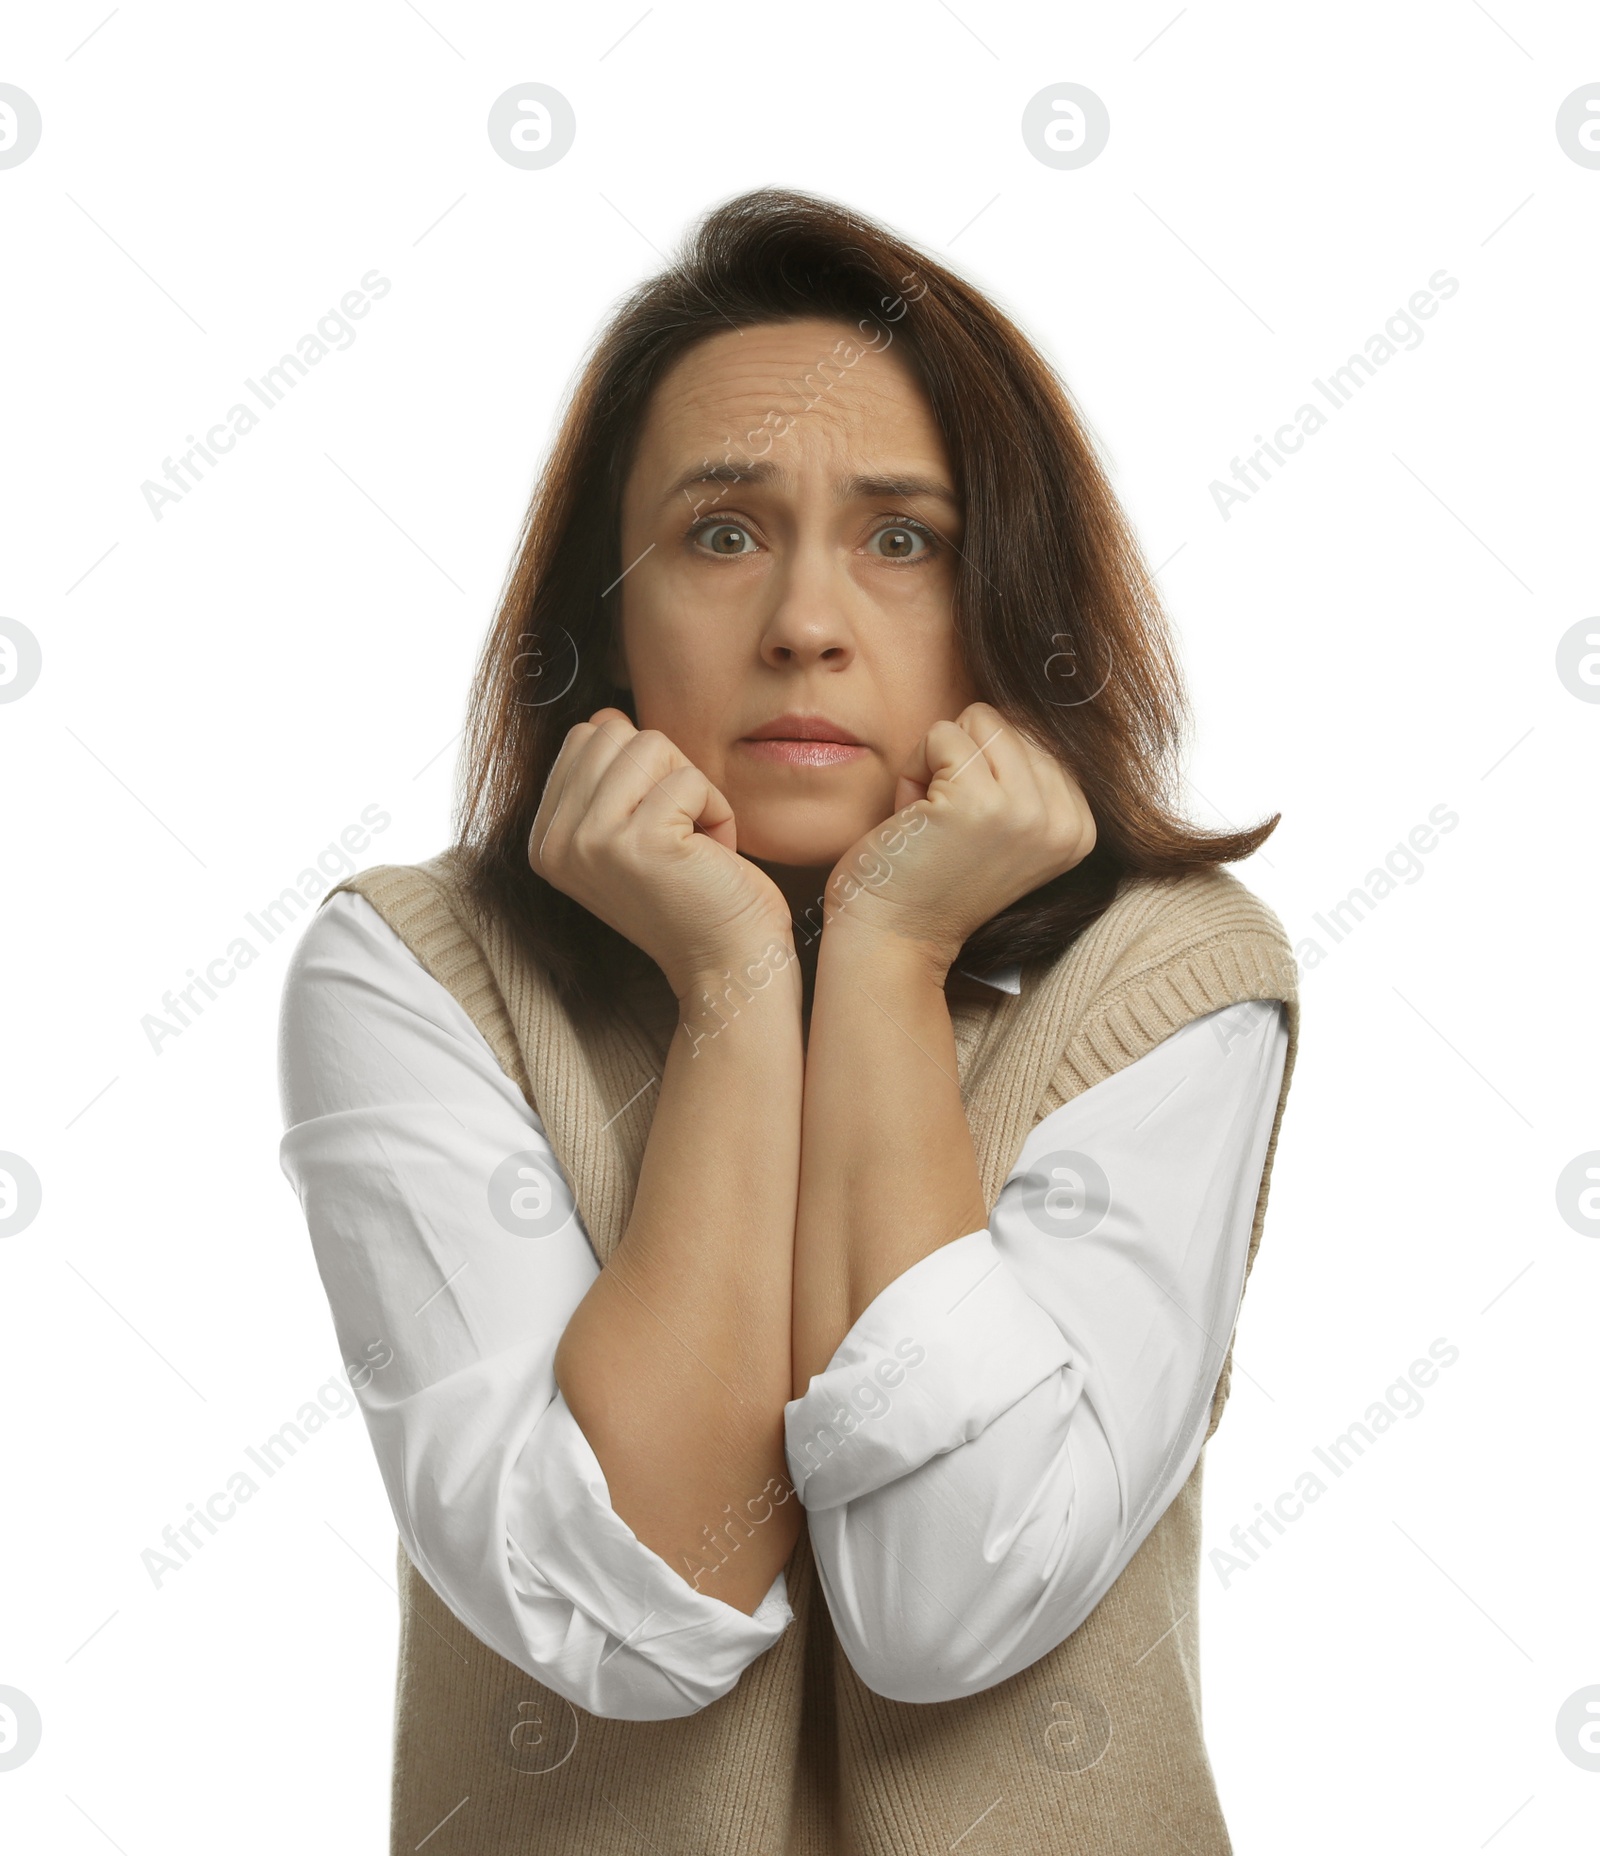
x=809 y=624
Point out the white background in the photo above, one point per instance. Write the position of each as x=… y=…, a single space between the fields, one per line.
x=1372 y=635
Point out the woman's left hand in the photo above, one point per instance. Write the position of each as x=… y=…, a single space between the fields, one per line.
x=982 y=817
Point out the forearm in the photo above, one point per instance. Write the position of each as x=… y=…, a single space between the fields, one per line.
x=676 y=1363
x=887 y=1169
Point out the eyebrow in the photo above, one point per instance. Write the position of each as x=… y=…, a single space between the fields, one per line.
x=845 y=489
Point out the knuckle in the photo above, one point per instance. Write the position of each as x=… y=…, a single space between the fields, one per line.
x=548 y=857
x=583 y=842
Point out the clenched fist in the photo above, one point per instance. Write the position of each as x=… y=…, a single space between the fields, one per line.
x=983 y=818
x=632 y=830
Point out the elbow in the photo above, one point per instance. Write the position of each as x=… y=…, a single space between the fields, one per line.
x=905 y=1666
x=665 y=1704
x=633 y=1696
x=558 y=1646
x=520 y=1544
x=650 y=1694
x=945 y=1619
x=964 y=1655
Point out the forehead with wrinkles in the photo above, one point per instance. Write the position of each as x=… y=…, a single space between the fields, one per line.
x=801 y=396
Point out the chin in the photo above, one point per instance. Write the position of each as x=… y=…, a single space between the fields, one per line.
x=808 y=830
x=812 y=844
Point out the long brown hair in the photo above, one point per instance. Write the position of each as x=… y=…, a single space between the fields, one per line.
x=1058 y=621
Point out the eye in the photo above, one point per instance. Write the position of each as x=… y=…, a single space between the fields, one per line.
x=721 y=534
x=909 y=541
x=901 y=532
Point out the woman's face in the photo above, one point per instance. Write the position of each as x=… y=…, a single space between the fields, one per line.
x=788 y=573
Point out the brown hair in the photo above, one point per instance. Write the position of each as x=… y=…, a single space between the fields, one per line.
x=1058 y=622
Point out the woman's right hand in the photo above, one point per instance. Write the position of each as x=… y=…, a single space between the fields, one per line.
x=637 y=834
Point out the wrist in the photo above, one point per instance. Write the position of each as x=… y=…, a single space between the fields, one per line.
x=858 y=942
x=754 y=967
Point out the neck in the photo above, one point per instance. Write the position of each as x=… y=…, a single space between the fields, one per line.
x=802 y=887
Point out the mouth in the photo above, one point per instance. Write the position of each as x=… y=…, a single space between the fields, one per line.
x=803 y=741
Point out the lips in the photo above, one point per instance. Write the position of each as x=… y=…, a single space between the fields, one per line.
x=803 y=728
x=803 y=741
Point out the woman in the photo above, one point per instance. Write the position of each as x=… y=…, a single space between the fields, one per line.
x=785 y=1179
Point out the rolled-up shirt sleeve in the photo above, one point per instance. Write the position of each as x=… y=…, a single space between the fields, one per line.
x=1007 y=1421
x=453 y=1255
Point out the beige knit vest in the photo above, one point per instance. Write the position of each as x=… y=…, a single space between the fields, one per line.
x=1098 y=1746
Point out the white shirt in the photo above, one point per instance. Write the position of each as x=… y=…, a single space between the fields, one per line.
x=986 y=1451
